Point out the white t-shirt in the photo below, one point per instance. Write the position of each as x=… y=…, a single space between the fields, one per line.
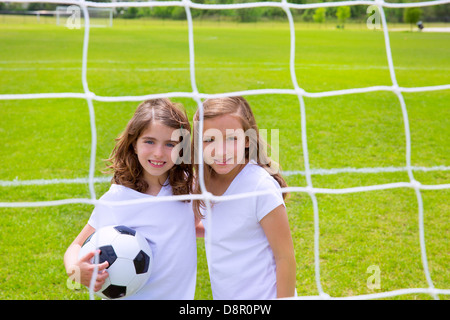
x=170 y=230
x=241 y=262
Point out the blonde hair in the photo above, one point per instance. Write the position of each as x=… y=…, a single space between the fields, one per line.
x=239 y=107
x=123 y=160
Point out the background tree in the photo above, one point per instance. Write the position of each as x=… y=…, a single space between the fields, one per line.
x=319 y=15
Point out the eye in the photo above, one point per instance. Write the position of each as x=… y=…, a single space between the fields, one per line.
x=149 y=141
x=232 y=138
x=171 y=145
x=208 y=139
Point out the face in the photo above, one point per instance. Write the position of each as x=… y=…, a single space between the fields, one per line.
x=224 y=144
x=154 y=148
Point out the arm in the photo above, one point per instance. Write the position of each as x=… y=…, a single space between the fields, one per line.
x=83 y=265
x=276 y=227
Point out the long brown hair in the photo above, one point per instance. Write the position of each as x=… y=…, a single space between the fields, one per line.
x=239 y=107
x=124 y=162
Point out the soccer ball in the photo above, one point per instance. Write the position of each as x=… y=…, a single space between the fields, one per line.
x=129 y=256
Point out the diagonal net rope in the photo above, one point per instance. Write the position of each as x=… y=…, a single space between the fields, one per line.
x=297 y=91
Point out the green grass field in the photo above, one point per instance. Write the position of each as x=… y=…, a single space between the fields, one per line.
x=50 y=139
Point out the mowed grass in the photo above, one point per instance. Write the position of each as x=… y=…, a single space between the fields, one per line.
x=51 y=139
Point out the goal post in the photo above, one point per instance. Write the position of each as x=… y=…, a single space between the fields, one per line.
x=99 y=17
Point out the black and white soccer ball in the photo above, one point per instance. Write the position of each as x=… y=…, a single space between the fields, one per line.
x=129 y=256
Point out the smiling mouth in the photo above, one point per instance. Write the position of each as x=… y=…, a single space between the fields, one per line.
x=222 y=162
x=156 y=164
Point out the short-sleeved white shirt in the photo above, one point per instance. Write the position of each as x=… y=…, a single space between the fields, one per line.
x=240 y=260
x=169 y=227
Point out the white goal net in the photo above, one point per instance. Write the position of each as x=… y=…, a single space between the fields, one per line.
x=71 y=15
x=89 y=9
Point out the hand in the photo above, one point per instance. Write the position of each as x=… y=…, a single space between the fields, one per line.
x=87 y=269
